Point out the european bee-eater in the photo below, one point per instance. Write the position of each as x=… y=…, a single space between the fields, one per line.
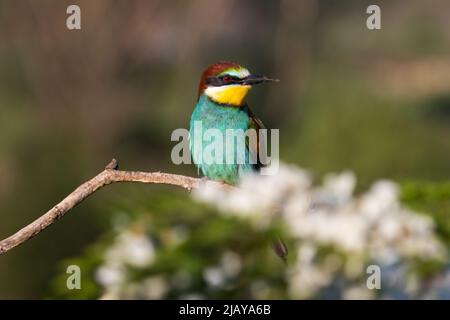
x=221 y=104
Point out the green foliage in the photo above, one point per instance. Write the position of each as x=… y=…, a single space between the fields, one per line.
x=87 y=263
x=188 y=238
x=191 y=240
x=432 y=198
x=375 y=102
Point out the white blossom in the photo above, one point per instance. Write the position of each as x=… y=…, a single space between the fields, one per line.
x=129 y=248
x=214 y=276
x=335 y=235
x=155 y=287
x=231 y=264
x=373 y=226
x=132 y=248
x=110 y=275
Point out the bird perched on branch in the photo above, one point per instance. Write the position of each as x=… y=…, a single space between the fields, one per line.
x=222 y=106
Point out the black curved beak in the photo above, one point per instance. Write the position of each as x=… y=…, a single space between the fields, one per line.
x=256 y=79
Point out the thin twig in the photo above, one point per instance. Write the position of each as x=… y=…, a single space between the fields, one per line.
x=109 y=175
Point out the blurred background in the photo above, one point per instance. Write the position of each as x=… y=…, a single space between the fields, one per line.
x=376 y=102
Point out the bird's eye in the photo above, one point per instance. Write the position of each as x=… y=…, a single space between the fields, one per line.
x=227 y=78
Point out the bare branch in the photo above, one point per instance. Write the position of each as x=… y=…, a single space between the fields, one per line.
x=107 y=176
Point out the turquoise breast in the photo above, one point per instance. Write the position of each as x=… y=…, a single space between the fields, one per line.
x=233 y=159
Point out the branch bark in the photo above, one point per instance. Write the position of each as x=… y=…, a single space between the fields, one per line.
x=109 y=175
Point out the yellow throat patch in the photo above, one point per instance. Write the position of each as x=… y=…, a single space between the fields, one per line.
x=232 y=94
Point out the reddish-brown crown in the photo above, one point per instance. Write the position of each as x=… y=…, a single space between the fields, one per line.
x=212 y=71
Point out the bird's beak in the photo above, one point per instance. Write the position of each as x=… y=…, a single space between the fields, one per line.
x=255 y=79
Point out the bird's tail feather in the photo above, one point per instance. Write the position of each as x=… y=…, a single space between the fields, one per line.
x=280 y=249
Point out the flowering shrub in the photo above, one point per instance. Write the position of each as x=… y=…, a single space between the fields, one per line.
x=219 y=246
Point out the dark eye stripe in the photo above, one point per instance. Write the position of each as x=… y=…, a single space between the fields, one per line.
x=220 y=81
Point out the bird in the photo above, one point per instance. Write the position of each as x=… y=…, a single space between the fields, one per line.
x=221 y=105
